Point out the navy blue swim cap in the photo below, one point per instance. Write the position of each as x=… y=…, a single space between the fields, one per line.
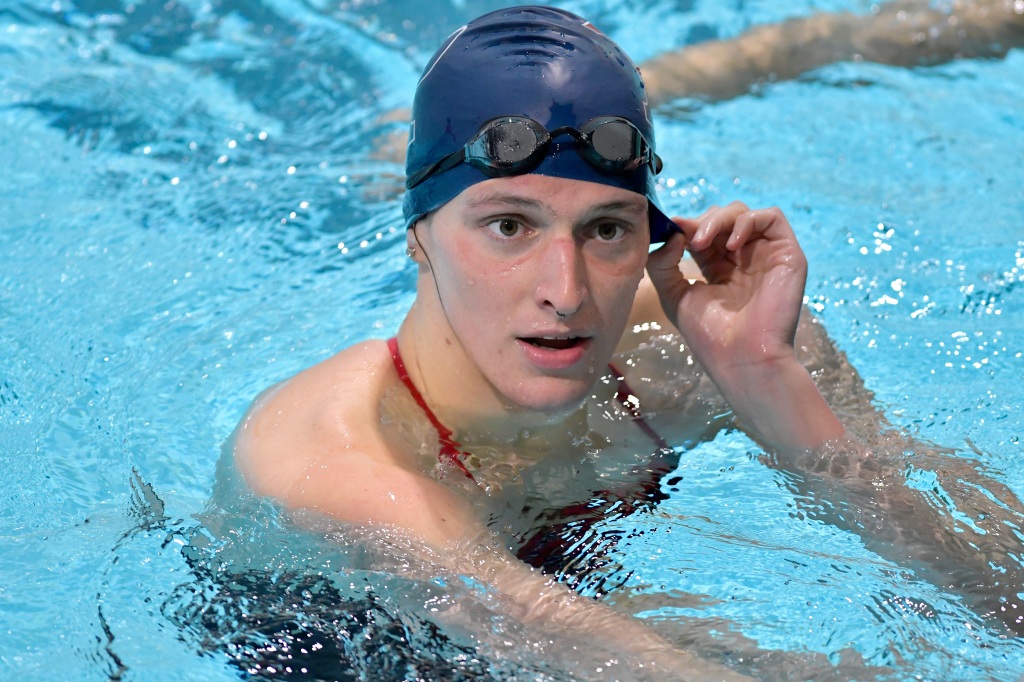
x=542 y=63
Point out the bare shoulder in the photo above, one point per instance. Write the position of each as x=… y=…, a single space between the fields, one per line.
x=325 y=413
x=315 y=442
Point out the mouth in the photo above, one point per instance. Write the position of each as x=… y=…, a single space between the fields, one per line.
x=554 y=342
x=555 y=352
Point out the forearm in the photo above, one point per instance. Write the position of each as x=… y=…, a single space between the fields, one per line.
x=908 y=500
x=548 y=605
x=779 y=403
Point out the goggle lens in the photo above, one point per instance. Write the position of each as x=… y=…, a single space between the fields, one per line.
x=508 y=143
x=616 y=145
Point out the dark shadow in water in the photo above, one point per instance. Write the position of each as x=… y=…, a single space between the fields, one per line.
x=326 y=622
x=301 y=627
x=300 y=624
x=568 y=547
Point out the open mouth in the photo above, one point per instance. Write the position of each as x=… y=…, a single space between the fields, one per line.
x=555 y=343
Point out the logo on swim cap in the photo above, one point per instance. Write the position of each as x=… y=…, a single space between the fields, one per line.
x=538 y=63
x=440 y=53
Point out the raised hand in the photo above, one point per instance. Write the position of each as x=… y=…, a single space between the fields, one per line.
x=740 y=321
x=747 y=309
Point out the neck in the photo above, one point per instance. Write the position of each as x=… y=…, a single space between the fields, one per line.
x=467 y=403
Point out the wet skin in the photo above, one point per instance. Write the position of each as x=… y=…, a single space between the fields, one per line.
x=502 y=267
x=527 y=285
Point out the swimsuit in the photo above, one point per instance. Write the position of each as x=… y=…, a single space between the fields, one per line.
x=451 y=451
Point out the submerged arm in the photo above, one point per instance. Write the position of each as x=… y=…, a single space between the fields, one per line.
x=919 y=507
x=441 y=527
x=912 y=503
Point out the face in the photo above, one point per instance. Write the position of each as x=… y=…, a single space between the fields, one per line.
x=536 y=278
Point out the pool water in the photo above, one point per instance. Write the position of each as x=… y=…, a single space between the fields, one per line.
x=195 y=209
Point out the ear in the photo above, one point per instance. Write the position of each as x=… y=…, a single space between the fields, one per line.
x=412 y=245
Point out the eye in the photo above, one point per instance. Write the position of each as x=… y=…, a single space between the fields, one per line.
x=609 y=231
x=505 y=227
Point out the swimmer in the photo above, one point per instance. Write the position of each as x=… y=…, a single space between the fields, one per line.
x=538 y=360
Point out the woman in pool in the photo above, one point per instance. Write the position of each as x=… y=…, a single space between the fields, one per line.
x=526 y=377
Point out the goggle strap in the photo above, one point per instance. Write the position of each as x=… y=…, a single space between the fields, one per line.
x=439 y=166
x=474 y=152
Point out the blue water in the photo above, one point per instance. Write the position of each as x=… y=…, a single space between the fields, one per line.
x=193 y=211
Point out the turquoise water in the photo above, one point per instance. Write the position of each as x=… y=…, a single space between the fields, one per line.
x=193 y=211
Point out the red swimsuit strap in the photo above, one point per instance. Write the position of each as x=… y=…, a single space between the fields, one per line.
x=451 y=451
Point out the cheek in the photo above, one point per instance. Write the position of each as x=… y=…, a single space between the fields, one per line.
x=616 y=282
x=480 y=289
x=618 y=297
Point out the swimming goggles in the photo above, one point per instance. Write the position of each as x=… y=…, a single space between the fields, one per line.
x=513 y=145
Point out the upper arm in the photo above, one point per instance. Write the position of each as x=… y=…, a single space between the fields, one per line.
x=645 y=318
x=353 y=486
x=358 y=490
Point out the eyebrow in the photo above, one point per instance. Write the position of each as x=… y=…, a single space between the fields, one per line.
x=614 y=206
x=527 y=203
x=507 y=199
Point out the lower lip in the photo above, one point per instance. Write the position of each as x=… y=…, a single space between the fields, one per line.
x=554 y=358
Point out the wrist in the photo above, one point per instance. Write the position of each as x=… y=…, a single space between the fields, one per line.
x=780 y=403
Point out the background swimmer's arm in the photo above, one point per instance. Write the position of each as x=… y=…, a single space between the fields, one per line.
x=906 y=33
x=899 y=33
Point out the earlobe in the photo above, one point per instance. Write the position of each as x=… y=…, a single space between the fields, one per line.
x=412 y=246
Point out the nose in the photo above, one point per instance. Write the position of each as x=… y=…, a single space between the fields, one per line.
x=562 y=278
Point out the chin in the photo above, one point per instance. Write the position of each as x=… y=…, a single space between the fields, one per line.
x=548 y=395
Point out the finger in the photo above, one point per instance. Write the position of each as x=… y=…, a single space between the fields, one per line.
x=665 y=259
x=767 y=223
x=663 y=268
x=689 y=226
x=746 y=225
x=772 y=223
x=718 y=222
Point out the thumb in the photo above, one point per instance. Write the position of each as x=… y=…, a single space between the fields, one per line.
x=663 y=267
